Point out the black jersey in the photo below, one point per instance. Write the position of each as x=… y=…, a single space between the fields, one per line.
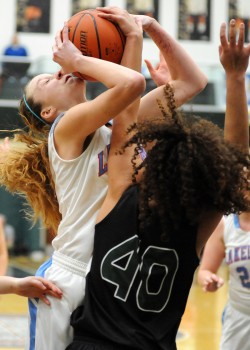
x=137 y=288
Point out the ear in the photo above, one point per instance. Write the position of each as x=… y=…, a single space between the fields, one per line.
x=49 y=113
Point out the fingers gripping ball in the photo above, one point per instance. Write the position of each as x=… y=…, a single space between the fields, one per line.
x=96 y=37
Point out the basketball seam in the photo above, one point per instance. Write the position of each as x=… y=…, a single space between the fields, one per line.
x=73 y=36
x=97 y=37
x=96 y=31
x=121 y=35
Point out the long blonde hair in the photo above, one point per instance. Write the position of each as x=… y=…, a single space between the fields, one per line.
x=25 y=169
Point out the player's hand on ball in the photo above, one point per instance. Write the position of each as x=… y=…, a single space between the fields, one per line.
x=65 y=52
x=126 y=22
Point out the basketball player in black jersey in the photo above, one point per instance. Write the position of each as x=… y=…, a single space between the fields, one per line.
x=149 y=236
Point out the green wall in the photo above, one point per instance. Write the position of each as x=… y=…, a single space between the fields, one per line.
x=27 y=237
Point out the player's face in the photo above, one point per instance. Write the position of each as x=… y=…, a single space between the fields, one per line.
x=59 y=91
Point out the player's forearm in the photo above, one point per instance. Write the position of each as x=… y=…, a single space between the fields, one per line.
x=132 y=56
x=180 y=63
x=3 y=263
x=236 y=111
x=7 y=285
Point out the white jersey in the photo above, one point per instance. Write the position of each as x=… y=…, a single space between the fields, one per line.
x=237 y=243
x=81 y=186
x=236 y=318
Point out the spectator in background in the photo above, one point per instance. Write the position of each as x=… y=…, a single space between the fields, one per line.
x=3 y=249
x=14 y=70
x=15 y=48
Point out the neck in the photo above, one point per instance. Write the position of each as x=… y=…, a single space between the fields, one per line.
x=244 y=220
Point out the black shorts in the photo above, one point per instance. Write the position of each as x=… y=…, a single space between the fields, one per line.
x=81 y=343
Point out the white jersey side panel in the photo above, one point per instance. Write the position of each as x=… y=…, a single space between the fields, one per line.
x=81 y=186
x=237 y=243
x=236 y=316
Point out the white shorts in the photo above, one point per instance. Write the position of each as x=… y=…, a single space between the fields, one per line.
x=235 y=330
x=50 y=328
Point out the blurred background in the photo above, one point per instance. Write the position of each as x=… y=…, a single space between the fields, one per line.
x=28 y=28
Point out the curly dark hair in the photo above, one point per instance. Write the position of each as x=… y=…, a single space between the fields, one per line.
x=190 y=169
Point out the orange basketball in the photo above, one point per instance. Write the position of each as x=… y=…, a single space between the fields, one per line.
x=96 y=37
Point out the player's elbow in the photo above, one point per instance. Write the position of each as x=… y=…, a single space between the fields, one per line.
x=200 y=84
x=135 y=84
x=191 y=89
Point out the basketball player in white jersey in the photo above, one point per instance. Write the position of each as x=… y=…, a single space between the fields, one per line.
x=231 y=241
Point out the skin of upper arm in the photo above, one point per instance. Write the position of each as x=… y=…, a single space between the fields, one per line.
x=81 y=121
x=119 y=178
x=182 y=93
x=120 y=167
x=120 y=163
x=214 y=251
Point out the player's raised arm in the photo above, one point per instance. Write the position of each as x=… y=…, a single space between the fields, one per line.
x=234 y=57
